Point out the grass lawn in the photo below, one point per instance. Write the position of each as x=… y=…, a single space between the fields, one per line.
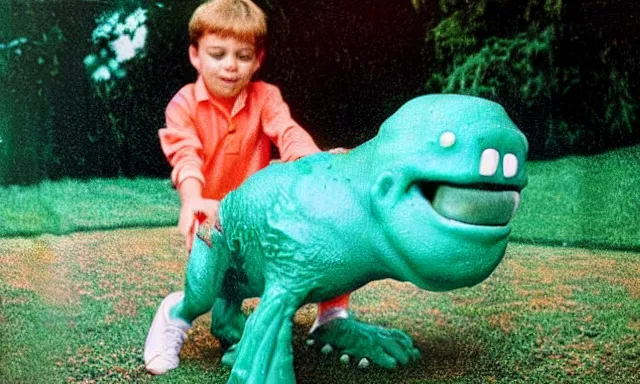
x=67 y=206
x=591 y=201
x=582 y=201
x=76 y=308
x=84 y=264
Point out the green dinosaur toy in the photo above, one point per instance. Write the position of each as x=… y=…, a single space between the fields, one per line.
x=428 y=200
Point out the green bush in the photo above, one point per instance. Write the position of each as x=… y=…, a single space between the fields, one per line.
x=507 y=68
x=134 y=65
x=563 y=84
x=81 y=102
x=29 y=69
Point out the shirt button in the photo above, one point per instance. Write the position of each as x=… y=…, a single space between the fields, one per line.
x=232 y=128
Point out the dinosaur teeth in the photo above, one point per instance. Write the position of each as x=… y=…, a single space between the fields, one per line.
x=510 y=165
x=516 y=204
x=489 y=162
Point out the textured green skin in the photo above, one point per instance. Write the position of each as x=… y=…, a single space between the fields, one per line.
x=310 y=230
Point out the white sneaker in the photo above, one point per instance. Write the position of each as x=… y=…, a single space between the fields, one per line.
x=165 y=338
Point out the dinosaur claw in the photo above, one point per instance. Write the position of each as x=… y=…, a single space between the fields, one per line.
x=364 y=363
x=344 y=359
x=310 y=342
x=327 y=349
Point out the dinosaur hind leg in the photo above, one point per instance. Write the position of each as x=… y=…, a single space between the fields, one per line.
x=227 y=321
x=227 y=325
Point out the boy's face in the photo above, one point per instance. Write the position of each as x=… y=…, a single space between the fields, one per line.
x=225 y=63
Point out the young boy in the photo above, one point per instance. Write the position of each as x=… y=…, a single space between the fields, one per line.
x=218 y=133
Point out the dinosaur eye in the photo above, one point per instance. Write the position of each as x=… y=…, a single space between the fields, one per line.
x=447 y=139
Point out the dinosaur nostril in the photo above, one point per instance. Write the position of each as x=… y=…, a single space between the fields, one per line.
x=509 y=165
x=489 y=162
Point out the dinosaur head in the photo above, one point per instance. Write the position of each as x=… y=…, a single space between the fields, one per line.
x=448 y=174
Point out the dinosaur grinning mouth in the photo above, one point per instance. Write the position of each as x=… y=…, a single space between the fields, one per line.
x=490 y=205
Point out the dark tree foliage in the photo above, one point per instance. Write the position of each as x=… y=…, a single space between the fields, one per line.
x=29 y=74
x=566 y=71
x=134 y=104
x=59 y=122
x=344 y=66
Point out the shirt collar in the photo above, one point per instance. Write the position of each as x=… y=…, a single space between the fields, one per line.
x=202 y=94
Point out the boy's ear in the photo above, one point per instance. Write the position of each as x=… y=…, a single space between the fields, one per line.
x=193 y=57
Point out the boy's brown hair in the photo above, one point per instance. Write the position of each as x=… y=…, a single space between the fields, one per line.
x=241 y=19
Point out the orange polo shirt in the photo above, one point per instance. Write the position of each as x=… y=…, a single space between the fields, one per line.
x=221 y=149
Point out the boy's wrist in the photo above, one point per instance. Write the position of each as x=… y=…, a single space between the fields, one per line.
x=190 y=189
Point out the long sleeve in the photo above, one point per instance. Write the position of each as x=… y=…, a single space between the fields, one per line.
x=179 y=140
x=291 y=139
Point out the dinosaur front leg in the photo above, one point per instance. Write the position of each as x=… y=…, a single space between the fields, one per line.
x=265 y=355
x=365 y=343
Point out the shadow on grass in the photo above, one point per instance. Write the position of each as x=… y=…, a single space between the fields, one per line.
x=447 y=356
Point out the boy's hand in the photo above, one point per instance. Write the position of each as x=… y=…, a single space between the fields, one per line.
x=197 y=208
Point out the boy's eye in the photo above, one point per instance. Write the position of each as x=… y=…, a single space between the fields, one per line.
x=245 y=56
x=216 y=55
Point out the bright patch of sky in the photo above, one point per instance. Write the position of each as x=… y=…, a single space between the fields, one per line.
x=123 y=47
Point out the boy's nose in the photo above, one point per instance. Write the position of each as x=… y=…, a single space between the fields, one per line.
x=230 y=63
